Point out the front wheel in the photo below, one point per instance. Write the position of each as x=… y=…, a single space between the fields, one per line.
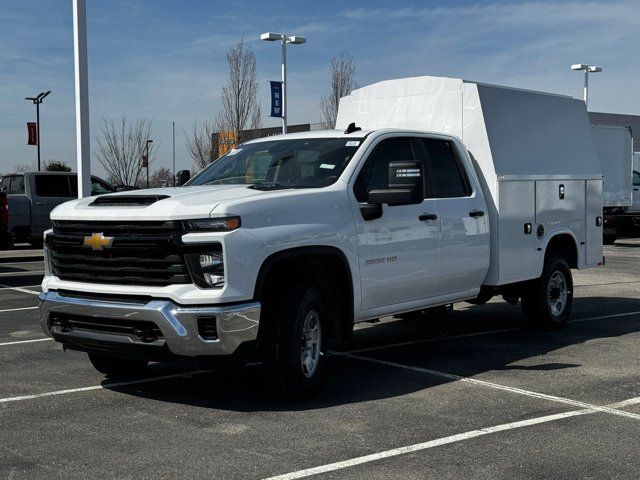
x=116 y=367
x=547 y=301
x=295 y=350
x=609 y=239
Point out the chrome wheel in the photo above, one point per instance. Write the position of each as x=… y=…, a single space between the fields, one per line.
x=310 y=344
x=557 y=293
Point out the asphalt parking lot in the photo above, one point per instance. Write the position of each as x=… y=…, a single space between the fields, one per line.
x=467 y=394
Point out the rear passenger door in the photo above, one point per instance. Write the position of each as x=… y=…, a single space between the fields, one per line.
x=464 y=227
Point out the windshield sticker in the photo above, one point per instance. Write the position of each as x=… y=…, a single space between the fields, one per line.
x=234 y=151
x=327 y=166
x=353 y=143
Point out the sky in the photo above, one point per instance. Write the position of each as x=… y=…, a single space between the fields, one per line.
x=165 y=60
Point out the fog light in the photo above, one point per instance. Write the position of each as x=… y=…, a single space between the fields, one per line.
x=207 y=269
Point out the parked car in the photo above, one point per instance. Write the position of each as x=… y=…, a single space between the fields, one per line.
x=432 y=191
x=32 y=196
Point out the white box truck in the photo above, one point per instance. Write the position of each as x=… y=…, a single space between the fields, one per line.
x=614 y=146
x=430 y=191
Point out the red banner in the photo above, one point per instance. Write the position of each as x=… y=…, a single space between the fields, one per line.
x=145 y=161
x=32 y=129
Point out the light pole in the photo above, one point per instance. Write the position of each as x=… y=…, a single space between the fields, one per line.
x=587 y=69
x=37 y=101
x=284 y=39
x=147 y=160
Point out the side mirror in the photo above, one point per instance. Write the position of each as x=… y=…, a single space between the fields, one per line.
x=183 y=177
x=406 y=185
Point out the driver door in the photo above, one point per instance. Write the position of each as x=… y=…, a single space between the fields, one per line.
x=399 y=252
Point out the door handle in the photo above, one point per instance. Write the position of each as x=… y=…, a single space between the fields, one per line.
x=39 y=204
x=476 y=213
x=427 y=216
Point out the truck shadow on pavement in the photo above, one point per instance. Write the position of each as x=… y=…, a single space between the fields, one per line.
x=466 y=343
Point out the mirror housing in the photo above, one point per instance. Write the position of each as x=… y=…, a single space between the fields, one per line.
x=406 y=185
x=183 y=177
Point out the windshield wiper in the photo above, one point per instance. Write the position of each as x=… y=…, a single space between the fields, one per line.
x=269 y=186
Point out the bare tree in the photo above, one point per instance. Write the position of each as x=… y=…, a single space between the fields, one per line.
x=343 y=71
x=161 y=178
x=121 y=146
x=239 y=108
x=201 y=145
x=24 y=168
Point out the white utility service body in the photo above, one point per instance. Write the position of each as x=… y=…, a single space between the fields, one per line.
x=526 y=146
x=502 y=194
x=635 y=204
x=614 y=146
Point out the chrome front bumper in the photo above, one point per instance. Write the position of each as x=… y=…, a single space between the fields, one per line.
x=235 y=323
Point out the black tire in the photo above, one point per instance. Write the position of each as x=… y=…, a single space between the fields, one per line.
x=609 y=239
x=284 y=369
x=116 y=367
x=546 y=303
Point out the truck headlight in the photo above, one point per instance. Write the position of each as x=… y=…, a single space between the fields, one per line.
x=215 y=224
x=206 y=269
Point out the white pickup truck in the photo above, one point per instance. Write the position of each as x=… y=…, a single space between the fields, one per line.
x=286 y=242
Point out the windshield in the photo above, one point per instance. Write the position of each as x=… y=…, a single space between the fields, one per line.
x=300 y=163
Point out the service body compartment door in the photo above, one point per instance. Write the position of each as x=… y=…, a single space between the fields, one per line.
x=593 y=231
x=560 y=206
x=517 y=254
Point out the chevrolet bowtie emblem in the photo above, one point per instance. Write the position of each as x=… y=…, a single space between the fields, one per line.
x=97 y=241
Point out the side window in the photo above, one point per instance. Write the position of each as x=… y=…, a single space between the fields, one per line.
x=449 y=177
x=375 y=172
x=53 y=186
x=636 y=179
x=97 y=187
x=13 y=184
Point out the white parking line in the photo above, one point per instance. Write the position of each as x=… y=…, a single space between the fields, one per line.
x=100 y=387
x=17 y=309
x=26 y=341
x=4 y=264
x=484 y=332
x=21 y=274
x=495 y=386
x=427 y=445
x=19 y=289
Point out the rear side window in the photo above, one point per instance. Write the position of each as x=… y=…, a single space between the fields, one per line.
x=449 y=180
x=636 y=179
x=13 y=184
x=53 y=186
x=375 y=172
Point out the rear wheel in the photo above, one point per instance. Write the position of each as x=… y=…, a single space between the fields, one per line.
x=296 y=343
x=547 y=301
x=116 y=367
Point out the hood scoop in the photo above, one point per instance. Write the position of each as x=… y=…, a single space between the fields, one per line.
x=126 y=200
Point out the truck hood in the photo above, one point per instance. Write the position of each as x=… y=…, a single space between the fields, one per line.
x=181 y=203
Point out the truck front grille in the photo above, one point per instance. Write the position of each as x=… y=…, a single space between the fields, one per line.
x=132 y=253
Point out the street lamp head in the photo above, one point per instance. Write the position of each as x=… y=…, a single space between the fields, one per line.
x=296 y=40
x=271 y=37
x=579 y=66
x=595 y=69
x=149 y=141
x=44 y=95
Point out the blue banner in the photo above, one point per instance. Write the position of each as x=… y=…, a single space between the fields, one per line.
x=276 y=99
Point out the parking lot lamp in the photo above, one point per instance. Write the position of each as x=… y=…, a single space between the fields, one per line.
x=284 y=39
x=587 y=70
